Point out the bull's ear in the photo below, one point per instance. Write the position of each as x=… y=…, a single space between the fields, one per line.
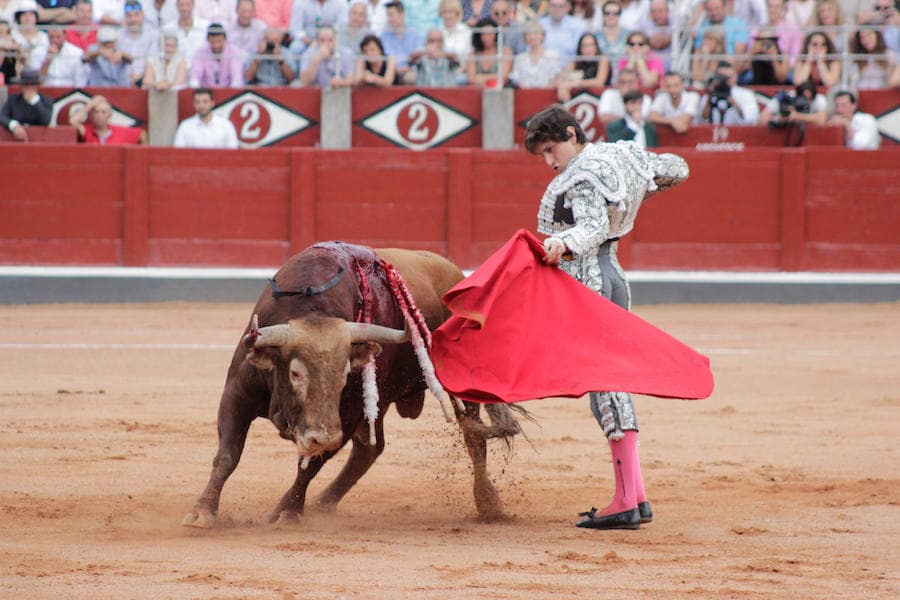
x=360 y=353
x=259 y=359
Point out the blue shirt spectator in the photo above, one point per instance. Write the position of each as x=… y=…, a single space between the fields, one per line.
x=562 y=29
x=737 y=34
x=398 y=40
x=308 y=15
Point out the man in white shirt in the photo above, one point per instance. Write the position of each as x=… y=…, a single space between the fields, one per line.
x=190 y=29
x=725 y=102
x=861 y=129
x=674 y=107
x=59 y=62
x=205 y=129
x=611 y=107
x=136 y=40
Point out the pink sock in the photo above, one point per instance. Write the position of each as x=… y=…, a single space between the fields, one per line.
x=639 y=476
x=626 y=470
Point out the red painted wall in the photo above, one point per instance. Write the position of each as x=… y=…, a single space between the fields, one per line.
x=762 y=209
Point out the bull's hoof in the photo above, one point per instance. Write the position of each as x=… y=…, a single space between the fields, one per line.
x=200 y=518
x=285 y=518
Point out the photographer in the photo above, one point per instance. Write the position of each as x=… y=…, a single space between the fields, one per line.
x=768 y=66
x=726 y=103
x=271 y=66
x=801 y=105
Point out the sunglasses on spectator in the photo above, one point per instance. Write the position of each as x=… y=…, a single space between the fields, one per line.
x=611 y=13
x=500 y=13
x=132 y=8
x=637 y=44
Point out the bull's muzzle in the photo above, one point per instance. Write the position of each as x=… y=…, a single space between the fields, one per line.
x=316 y=441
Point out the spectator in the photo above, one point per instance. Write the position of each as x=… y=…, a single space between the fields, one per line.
x=704 y=62
x=274 y=13
x=538 y=67
x=60 y=63
x=816 y=64
x=513 y=33
x=168 y=71
x=611 y=36
x=205 y=129
x=8 y=11
x=674 y=106
x=356 y=28
x=99 y=130
x=137 y=41
x=26 y=34
x=475 y=11
x=736 y=31
x=109 y=12
x=658 y=29
x=790 y=39
x=422 y=15
x=633 y=12
x=374 y=67
x=270 y=64
x=887 y=15
x=191 y=30
x=860 y=129
x=325 y=64
x=246 y=32
x=639 y=58
x=157 y=13
x=456 y=34
x=803 y=105
x=560 y=28
x=28 y=107
x=752 y=12
x=799 y=13
x=725 y=102
x=768 y=65
x=589 y=69
x=633 y=126
x=108 y=66
x=9 y=53
x=216 y=11
x=435 y=66
x=219 y=63
x=528 y=10
x=611 y=106
x=83 y=32
x=376 y=15
x=482 y=68
x=55 y=12
x=308 y=15
x=583 y=10
x=873 y=71
x=399 y=41
x=828 y=18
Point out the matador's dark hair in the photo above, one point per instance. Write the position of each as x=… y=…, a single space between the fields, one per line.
x=550 y=125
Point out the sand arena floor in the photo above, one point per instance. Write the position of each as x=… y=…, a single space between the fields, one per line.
x=785 y=484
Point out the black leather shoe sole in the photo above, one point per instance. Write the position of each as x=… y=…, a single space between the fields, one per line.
x=646 y=512
x=629 y=519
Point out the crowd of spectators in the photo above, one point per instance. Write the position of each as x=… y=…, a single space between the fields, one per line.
x=633 y=46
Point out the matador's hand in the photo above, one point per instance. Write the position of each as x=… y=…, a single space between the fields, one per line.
x=555 y=248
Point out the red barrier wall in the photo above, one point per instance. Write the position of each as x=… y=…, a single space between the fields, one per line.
x=762 y=209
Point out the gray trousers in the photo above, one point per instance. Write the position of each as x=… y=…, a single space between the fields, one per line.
x=614 y=411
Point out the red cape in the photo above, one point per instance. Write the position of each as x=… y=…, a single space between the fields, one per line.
x=522 y=330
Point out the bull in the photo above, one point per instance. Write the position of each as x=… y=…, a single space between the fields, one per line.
x=301 y=370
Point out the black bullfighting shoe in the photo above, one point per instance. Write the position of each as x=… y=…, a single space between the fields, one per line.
x=629 y=519
x=646 y=511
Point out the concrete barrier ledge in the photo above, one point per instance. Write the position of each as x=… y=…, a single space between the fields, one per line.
x=50 y=284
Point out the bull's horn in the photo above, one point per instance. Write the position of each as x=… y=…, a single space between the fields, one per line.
x=366 y=332
x=273 y=335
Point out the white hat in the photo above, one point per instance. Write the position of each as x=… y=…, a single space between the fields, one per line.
x=107 y=34
x=24 y=7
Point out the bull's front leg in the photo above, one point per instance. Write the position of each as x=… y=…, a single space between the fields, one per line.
x=290 y=507
x=487 y=500
x=362 y=457
x=235 y=416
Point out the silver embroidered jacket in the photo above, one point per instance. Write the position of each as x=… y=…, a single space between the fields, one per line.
x=597 y=197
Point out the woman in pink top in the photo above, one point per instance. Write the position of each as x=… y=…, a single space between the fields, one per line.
x=638 y=56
